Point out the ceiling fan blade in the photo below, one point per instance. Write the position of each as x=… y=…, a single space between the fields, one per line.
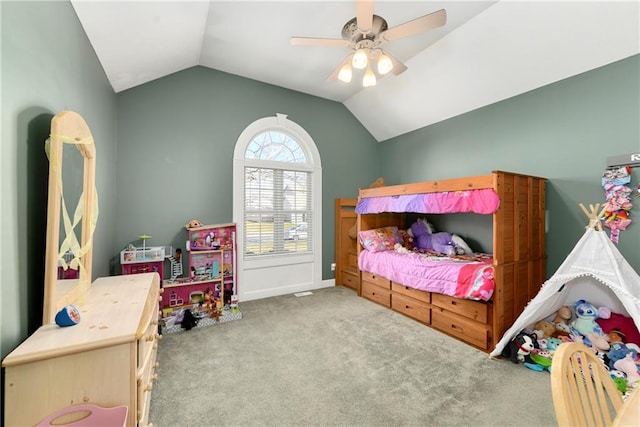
x=416 y=26
x=364 y=15
x=334 y=75
x=398 y=67
x=314 y=41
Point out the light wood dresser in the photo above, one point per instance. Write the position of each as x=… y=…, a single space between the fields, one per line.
x=107 y=359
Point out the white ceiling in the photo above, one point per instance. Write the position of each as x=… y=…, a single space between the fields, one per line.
x=487 y=51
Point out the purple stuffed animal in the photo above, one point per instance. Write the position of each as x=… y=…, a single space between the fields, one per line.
x=443 y=242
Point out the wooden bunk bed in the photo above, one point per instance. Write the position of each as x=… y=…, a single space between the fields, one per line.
x=347 y=273
x=519 y=259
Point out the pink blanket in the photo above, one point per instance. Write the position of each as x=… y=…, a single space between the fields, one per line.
x=450 y=276
x=484 y=201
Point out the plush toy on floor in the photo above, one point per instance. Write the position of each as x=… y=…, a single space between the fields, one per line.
x=446 y=243
x=189 y=321
x=563 y=315
x=586 y=315
x=520 y=348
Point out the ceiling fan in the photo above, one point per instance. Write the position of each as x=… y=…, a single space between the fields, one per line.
x=364 y=34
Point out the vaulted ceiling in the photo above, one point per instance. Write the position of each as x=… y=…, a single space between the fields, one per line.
x=486 y=52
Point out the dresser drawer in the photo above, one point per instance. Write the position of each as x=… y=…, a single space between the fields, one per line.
x=460 y=327
x=350 y=279
x=423 y=296
x=419 y=310
x=376 y=279
x=146 y=377
x=376 y=293
x=475 y=310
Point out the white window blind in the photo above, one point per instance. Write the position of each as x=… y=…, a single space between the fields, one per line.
x=278 y=200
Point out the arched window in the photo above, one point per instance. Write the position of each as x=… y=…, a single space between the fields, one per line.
x=277 y=190
x=277 y=196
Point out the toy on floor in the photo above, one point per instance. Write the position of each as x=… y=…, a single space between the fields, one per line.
x=622 y=325
x=189 y=321
x=629 y=367
x=586 y=315
x=563 y=315
x=520 y=348
x=544 y=329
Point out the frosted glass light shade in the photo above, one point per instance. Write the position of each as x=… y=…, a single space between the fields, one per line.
x=345 y=73
x=384 y=64
x=369 y=78
x=360 y=59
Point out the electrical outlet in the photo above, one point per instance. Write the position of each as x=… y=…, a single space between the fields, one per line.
x=333 y=266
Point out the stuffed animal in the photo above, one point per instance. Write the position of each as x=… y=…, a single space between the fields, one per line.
x=189 y=321
x=547 y=328
x=400 y=249
x=194 y=223
x=563 y=315
x=622 y=325
x=628 y=366
x=519 y=349
x=617 y=352
x=598 y=342
x=446 y=243
x=586 y=315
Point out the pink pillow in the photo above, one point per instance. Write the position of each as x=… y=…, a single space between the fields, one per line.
x=380 y=239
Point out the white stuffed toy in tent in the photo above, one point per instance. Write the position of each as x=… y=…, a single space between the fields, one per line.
x=595 y=270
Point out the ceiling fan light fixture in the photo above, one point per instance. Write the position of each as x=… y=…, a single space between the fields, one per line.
x=345 y=73
x=360 y=59
x=384 y=64
x=369 y=78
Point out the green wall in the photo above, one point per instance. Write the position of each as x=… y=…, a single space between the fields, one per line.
x=563 y=132
x=47 y=66
x=176 y=138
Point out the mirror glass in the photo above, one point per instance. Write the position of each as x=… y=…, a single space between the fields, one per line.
x=72 y=171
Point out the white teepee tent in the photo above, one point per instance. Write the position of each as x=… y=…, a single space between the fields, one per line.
x=595 y=270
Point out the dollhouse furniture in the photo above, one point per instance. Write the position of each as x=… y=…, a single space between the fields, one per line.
x=108 y=358
x=346 y=255
x=518 y=258
x=148 y=259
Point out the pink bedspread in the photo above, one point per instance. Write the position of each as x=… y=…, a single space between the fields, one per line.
x=483 y=201
x=453 y=277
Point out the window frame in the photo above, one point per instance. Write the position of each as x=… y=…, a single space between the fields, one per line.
x=279 y=123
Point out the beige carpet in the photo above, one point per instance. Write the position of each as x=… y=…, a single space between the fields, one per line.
x=334 y=359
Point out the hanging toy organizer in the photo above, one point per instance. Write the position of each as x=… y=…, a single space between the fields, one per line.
x=616 y=181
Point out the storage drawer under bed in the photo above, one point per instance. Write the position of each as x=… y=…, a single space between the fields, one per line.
x=416 y=309
x=475 y=310
x=376 y=293
x=423 y=296
x=464 y=329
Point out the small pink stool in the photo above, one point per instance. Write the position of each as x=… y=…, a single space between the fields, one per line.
x=96 y=417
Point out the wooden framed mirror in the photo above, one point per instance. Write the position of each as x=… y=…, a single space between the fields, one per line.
x=72 y=165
